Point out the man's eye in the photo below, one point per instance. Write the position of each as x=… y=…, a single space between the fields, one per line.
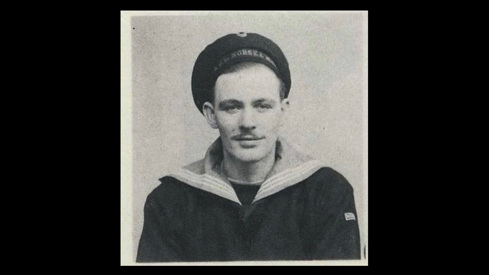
x=264 y=106
x=230 y=108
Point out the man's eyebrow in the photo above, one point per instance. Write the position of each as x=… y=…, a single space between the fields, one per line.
x=261 y=100
x=223 y=103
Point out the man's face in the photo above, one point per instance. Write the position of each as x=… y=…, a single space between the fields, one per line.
x=248 y=111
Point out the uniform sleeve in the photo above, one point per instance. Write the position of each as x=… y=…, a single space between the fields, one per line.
x=336 y=233
x=158 y=241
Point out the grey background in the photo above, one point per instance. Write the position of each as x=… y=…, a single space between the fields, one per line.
x=326 y=53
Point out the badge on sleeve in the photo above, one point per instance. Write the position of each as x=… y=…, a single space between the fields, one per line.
x=349 y=216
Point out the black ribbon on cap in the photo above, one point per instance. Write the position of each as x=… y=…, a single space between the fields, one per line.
x=244 y=55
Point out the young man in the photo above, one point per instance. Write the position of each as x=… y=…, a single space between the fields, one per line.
x=253 y=196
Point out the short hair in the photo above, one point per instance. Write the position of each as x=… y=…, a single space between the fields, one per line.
x=241 y=66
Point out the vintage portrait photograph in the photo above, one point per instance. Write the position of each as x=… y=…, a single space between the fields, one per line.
x=244 y=138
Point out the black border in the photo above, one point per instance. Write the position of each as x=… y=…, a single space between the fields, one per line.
x=94 y=102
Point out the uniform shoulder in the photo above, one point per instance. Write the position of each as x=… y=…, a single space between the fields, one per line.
x=328 y=178
x=327 y=188
x=169 y=190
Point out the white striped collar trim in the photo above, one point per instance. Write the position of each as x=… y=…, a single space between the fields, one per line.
x=207 y=183
x=287 y=178
x=272 y=185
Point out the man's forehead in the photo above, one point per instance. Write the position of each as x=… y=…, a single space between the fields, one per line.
x=238 y=100
x=249 y=91
x=256 y=75
x=249 y=68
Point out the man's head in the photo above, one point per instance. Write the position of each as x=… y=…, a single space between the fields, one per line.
x=229 y=50
x=241 y=83
x=247 y=109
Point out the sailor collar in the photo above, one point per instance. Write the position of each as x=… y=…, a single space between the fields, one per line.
x=290 y=168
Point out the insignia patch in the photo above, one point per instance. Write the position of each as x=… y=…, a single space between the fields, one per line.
x=349 y=216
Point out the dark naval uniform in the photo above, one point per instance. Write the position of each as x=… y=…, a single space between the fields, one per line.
x=298 y=214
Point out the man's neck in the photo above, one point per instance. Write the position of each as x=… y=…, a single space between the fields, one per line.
x=248 y=171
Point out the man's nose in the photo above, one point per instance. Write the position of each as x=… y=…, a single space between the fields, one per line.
x=247 y=119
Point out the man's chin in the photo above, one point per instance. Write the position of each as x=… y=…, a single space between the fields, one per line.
x=249 y=155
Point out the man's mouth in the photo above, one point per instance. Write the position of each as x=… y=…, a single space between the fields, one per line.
x=247 y=138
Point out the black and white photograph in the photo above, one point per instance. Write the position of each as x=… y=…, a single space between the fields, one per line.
x=244 y=138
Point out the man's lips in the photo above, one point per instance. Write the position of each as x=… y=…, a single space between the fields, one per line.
x=247 y=138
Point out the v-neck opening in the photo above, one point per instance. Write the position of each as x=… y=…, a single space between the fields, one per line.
x=246 y=193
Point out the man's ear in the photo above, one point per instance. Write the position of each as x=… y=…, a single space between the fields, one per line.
x=285 y=104
x=209 y=114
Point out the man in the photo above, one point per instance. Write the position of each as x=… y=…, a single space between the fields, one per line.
x=253 y=196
